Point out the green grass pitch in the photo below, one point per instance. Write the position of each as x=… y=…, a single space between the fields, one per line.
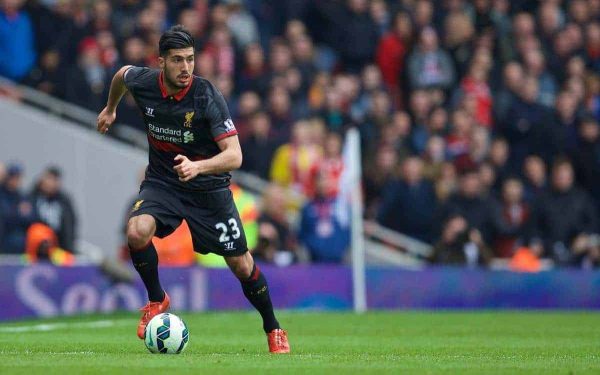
x=489 y=342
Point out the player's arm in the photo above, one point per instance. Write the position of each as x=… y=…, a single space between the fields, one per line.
x=227 y=160
x=116 y=92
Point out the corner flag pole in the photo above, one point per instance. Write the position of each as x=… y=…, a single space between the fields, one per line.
x=353 y=163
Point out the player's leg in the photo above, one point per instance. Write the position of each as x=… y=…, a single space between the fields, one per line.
x=256 y=290
x=216 y=227
x=156 y=212
x=140 y=230
x=255 y=287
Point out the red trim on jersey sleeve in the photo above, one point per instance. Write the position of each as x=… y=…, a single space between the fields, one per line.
x=225 y=135
x=180 y=94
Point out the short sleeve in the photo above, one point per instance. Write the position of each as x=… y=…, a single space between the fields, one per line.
x=221 y=125
x=132 y=77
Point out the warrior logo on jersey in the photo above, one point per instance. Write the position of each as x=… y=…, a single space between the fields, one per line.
x=137 y=205
x=188 y=119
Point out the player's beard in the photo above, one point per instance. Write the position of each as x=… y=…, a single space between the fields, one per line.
x=174 y=83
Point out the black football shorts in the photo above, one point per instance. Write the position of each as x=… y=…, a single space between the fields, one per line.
x=212 y=217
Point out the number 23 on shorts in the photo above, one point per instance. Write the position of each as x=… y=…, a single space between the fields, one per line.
x=235 y=230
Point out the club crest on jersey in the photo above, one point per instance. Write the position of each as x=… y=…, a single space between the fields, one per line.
x=188 y=119
x=137 y=205
x=149 y=111
x=229 y=125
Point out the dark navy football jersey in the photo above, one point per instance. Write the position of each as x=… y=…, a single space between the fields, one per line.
x=188 y=123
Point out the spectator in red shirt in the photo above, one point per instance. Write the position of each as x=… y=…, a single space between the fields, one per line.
x=329 y=168
x=475 y=85
x=457 y=143
x=392 y=50
x=220 y=47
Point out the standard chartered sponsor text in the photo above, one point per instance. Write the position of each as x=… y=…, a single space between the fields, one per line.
x=158 y=130
x=165 y=134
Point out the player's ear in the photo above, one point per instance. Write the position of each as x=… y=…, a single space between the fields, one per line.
x=161 y=62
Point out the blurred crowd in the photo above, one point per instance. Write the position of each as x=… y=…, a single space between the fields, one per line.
x=478 y=119
x=39 y=223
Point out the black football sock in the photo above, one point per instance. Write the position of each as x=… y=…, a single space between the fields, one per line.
x=256 y=291
x=145 y=261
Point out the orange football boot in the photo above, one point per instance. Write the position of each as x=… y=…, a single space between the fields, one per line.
x=150 y=311
x=278 y=341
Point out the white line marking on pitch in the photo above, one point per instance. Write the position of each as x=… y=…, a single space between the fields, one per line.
x=56 y=326
x=14 y=352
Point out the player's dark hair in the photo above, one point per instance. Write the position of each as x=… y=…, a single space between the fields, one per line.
x=175 y=38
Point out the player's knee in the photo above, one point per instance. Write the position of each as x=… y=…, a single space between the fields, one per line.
x=243 y=271
x=241 y=266
x=140 y=231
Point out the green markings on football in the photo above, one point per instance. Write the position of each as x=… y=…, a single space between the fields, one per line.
x=489 y=342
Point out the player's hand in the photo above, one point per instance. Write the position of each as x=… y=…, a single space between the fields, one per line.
x=105 y=120
x=186 y=169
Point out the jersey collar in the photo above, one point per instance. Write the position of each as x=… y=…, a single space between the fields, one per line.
x=179 y=95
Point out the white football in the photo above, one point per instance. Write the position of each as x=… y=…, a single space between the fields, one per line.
x=167 y=334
